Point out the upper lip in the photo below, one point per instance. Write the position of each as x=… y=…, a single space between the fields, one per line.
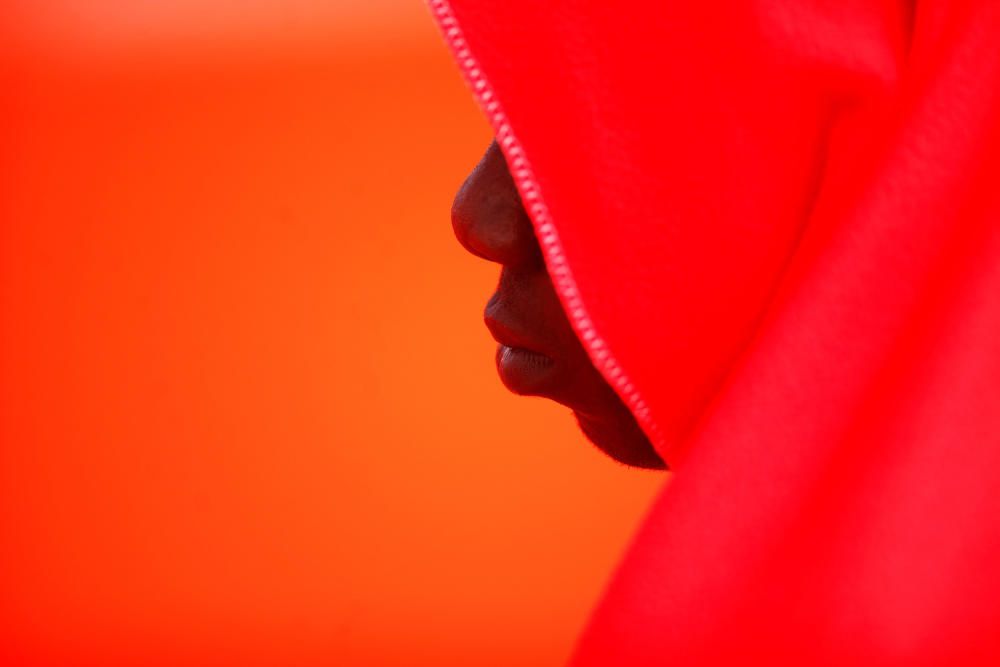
x=505 y=334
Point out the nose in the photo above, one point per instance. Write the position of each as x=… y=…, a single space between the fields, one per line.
x=488 y=217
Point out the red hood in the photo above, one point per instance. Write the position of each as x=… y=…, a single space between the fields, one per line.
x=774 y=225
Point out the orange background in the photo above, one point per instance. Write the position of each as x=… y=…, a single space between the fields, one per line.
x=248 y=410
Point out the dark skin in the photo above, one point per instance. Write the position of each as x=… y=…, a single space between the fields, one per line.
x=538 y=354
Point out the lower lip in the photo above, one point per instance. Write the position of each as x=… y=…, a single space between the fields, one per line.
x=523 y=371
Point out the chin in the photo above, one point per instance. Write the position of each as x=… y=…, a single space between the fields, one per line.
x=622 y=440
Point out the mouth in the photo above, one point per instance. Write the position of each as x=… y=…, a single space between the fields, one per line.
x=523 y=369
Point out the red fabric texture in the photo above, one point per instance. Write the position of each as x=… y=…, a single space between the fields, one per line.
x=775 y=224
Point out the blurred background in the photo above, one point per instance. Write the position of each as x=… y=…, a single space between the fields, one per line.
x=248 y=409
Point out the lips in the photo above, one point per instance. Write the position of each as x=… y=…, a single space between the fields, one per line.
x=522 y=367
x=503 y=332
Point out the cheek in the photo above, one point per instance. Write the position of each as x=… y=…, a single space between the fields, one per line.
x=590 y=394
x=552 y=319
x=585 y=390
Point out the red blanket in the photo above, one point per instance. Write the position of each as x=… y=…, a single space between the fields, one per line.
x=775 y=224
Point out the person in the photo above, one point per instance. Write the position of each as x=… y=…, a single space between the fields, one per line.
x=772 y=229
x=538 y=354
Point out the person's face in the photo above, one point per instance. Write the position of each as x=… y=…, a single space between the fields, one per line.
x=538 y=353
